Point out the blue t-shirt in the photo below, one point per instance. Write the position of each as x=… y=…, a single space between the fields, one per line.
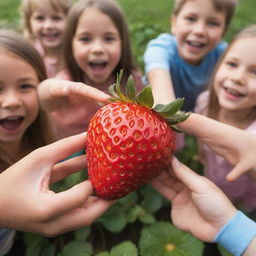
x=188 y=80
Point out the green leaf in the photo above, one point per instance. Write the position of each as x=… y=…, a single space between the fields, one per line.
x=223 y=251
x=145 y=97
x=112 y=90
x=48 y=250
x=126 y=248
x=128 y=201
x=130 y=89
x=82 y=233
x=114 y=219
x=152 y=200
x=103 y=254
x=77 y=248
x=169 y=109
x=163 y=239
x=177 y=118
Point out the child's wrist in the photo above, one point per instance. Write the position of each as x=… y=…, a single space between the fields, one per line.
x=237 y=234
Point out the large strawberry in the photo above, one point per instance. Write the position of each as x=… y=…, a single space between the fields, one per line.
x=129 y=142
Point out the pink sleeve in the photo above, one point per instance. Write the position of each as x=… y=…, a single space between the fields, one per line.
x=64 y=74
x=202 y=102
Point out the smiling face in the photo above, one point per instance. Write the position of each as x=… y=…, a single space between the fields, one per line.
x=96 y=47
x=235 y=80
x=48 y=27
x=19 y=105
x=198 y=27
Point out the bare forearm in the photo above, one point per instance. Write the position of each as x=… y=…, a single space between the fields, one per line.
x=251 y=249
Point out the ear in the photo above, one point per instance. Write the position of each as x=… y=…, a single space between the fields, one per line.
x=173 y=24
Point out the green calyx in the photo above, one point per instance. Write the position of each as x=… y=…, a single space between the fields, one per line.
x=170 y=112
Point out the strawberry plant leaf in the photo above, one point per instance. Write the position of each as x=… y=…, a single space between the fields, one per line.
x=103 y=254
x=114 y=219
x=223 y=251
x=145 y=97
x=170 y=109
x=82 y=233
x=78 y=248
x=163 y=239
x=112 y=90
x=126 y=248
x=130 y=89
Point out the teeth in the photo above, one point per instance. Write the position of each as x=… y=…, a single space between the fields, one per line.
x=234 y=92
x=196 y=44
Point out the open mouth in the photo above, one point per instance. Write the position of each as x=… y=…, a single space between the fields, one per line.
x=98 y=64
x=11 y=123
x=234 y=92
x=196 y=44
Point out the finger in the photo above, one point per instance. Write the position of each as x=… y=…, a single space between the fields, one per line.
x=165 y=191
x=192 y=180
x=90 y=92
x=79 y=217
x=64 y=169
x=63 y=148
x=70 y=199
x=238 y=170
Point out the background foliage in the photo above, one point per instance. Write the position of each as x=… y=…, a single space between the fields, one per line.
x=138 y=224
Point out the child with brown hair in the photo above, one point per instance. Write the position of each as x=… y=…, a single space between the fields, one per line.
x=96 y=48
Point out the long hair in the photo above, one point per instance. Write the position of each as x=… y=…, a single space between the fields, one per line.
x=38 y=134
x=213 y=107
x=115 y=13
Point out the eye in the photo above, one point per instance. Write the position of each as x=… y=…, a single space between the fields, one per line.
x=190 y=18
x=57 y=18
x=85 y=39
x=213 y=23
x=39 y=17
x=253 y=71
x=110 y=38
x=26 y=87
x=231 y=64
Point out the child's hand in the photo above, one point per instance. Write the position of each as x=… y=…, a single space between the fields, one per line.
x=198 y=206
x=28 y=204
x=70 y=105
x=237 y=146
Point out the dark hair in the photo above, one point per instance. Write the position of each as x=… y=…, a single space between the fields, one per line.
x=227 y=6
x=37 y=134
x=114 y=11
x=213 y=105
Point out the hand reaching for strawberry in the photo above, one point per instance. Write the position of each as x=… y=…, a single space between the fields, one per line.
x=198 y=206
x=28 y=204
x=70 y=105
x=238 y=147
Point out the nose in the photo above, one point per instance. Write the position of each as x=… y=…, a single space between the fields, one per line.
x=48 y=23
x=239 y=76
x=10 y=100
x=97 y=46
x=199 y=27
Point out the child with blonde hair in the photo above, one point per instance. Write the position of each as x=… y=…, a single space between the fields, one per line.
x=43 y=24
x=231 y=100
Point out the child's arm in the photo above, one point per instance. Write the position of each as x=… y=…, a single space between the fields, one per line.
x=27 y=203
x=161 y=83
x=237 y=146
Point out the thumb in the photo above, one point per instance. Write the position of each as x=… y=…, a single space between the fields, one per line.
x=191 y=179
x=241 y=168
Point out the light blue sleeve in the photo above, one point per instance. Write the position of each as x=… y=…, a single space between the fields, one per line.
x=158 y=53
